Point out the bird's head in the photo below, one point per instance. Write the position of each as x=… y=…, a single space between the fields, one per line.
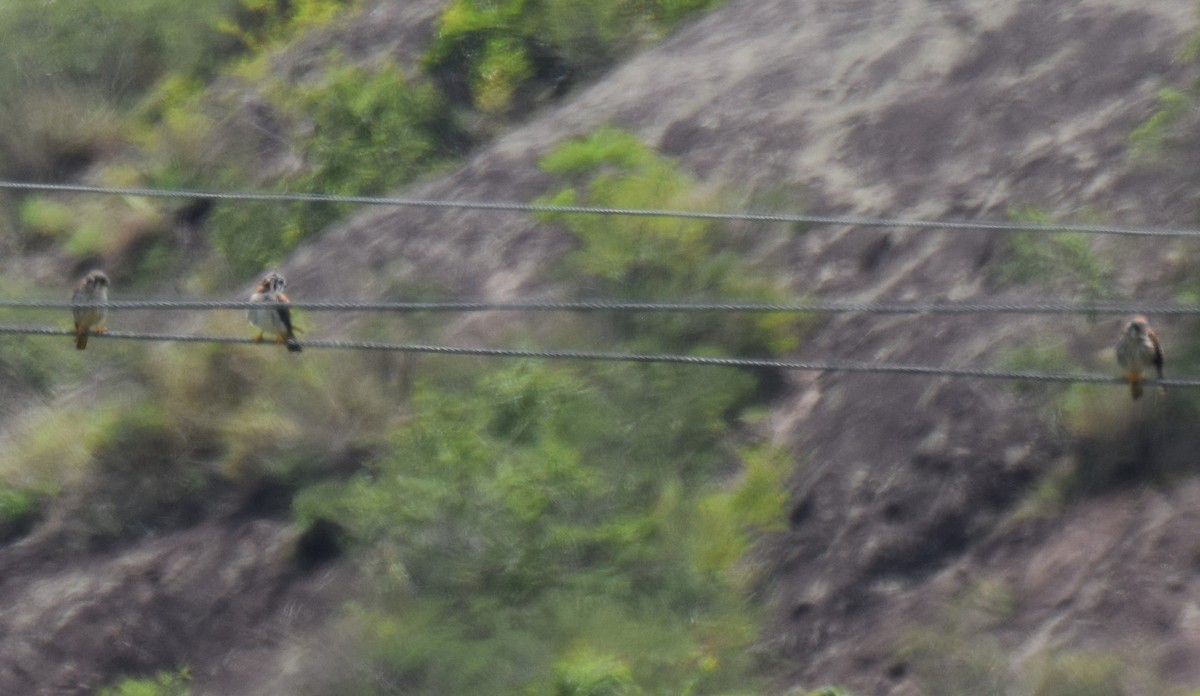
x=272 y=282
x=95 y=279
x=1137 y=326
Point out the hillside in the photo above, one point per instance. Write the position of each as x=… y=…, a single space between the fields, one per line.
x=921 y=110
x=943 y=535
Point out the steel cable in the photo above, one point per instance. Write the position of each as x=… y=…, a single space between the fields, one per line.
x=505 y=206
x=709 y=361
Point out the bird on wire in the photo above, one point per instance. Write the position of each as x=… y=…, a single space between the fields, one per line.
x=273 y=320
x=1138 y=349
x=92 y=288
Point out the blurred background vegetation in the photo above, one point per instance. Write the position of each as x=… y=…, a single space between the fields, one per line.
x=524 y=527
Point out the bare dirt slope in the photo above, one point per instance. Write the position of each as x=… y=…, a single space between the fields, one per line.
x=905 y=486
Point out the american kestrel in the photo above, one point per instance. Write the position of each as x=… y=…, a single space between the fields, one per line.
x=1138 y=349
x=93 y=288
x=275 y=320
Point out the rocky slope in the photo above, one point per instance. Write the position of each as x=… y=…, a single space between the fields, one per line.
x=906 y=488
x=906 y=109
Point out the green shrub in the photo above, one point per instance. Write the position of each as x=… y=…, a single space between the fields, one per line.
x=1052 y=355
x=164 y=684
x=1061 y=260
x=371 y=133
x=660 y=258
x=141 y=477
x=951 y=659
x=75 y=65
x=497 y=54
x=1079 y=674
x=54 y=132
x=18 y=509
x=539 y=507
x=1154 y=134
x=51 y=447
x=118 y=49
x=260 y=24
x=584 y=672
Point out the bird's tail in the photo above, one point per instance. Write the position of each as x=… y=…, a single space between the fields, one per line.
x=1135 y=387
x=81 y=337
x=293 y=345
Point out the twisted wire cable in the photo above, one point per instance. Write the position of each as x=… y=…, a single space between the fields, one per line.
x=814 y=307
x=708 y=361
x=508 y=206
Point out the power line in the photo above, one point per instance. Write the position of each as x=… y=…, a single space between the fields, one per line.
x=504 y=206
x=708 y=361
x=814 y=307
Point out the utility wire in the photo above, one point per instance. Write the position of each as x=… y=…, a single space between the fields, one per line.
x=759 y=363
x=814 y=307
x=503 y=206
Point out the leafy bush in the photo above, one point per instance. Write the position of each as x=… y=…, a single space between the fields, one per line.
x=543 y=507
x=140 y=478
x=259 y=24
x=371 y=132
x=496 y=54
x=266 y=420
x=659 y=258
x=18 y=508
x=48 y=448
x=585 y=672
x=1079 y=674
x=1163 y=127
x=76 y=64
x=1063 y=260
x=117 y=48
x=164 y=684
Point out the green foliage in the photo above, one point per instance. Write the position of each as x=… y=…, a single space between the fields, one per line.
x=16 y=503
x=372 y=132
x=76 y=64
x=91 y=228
x=1079 y=674
x=140 y=478
x=584 y=672
x=1062 y=260
x=117 y=48
x=1152 y=137
x=50 y=447
x=956 y=661
x=260 y=24
x=272 y=420
x=490 y=52
x=179 y=143
x=47 y=216
x=829 y=691
x=52 y=132
x=543 y=525
x=1051 y=355
x=163 y=684
x=733 y=517
x=959 y=654
x=646 y=258
x=18 y=509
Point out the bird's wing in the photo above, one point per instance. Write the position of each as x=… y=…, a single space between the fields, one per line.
x=285 y=314
x=1158 y=352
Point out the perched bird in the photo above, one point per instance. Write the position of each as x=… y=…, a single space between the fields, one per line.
x=93 y=288
x=275 y=320
x=1138 y=349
